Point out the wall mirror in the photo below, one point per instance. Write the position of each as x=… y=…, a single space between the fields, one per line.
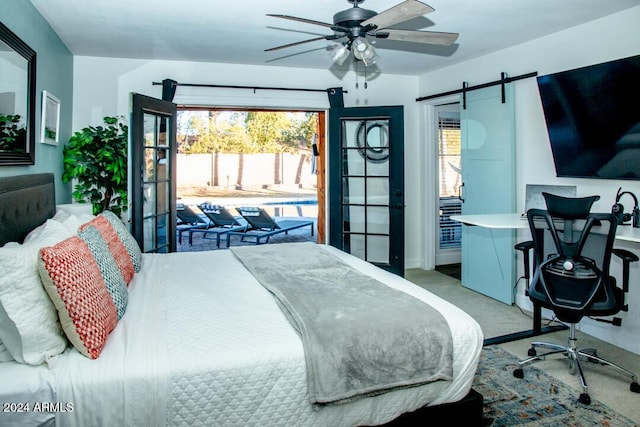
x=17 y=100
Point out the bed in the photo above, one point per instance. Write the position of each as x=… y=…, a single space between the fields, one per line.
x=203 y=342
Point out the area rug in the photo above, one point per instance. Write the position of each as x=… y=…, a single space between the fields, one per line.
x=536 y=400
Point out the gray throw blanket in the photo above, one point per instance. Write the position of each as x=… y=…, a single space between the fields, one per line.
x=360 y=337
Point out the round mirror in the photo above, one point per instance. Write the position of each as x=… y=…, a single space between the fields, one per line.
x=372 y=138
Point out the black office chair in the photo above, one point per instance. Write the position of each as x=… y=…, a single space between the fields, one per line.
x=572 y=250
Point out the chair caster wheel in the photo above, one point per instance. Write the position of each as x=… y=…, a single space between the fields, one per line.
x=635 y=387
x=518 y=373
x=591 y=359
x=532 y=352
x=585 y=399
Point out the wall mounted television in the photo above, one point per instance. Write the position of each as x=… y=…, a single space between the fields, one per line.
x=593 y=119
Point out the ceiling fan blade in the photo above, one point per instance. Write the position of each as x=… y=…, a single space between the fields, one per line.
x=332 y=37
x=427 y=37
x=306 y=21
x=401 y=12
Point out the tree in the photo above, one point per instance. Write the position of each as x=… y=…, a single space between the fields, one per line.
x=215 y=131
x=97 y=158
x=265 y=129
x=301 y=131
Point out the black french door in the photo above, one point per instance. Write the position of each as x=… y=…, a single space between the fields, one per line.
x=366 y=184
x=153 y=160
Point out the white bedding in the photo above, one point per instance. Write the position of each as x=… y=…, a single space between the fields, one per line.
x=203 y=343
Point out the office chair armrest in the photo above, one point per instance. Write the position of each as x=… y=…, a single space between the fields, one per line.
x=625 y=255
x=525 y=248
x=627 y=258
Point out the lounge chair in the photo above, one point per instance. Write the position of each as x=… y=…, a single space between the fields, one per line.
x=262 y=226
x=222 y=222
x=189 y=220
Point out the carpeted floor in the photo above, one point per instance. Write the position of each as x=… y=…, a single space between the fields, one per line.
x=497 y=319
x=536 y=400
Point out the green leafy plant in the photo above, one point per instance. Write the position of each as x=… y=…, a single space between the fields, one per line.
x=97 y=158
x=12 y=134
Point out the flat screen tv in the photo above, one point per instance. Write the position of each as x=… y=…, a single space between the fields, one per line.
x=593 y=119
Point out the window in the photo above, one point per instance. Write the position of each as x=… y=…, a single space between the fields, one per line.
x=449 y=153
x=449 y=163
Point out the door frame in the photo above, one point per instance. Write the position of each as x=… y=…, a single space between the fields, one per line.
x=430 y=178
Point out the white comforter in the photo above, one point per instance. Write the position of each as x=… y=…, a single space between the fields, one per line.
x=202 y=343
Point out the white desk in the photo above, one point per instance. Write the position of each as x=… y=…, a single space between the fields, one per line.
x=628 y=233
x=493 y=220
x=515 y=221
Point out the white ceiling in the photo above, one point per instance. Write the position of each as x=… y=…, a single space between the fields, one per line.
x=237 y=31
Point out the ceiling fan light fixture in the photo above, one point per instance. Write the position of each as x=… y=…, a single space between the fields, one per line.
x=364 y=51
x=340 y=54
x=361 y=26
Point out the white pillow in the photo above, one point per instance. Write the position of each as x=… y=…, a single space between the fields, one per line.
x=29 y=326
x=72 y=221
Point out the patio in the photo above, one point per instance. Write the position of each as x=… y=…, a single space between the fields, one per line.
x=203 y=242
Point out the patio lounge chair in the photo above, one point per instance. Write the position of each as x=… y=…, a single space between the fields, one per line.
x=222 y=223
x=262 y=226
x=189 y=220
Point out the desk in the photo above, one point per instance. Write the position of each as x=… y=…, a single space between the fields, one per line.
x=511 y=221
x=516 y=221
x=627 y=233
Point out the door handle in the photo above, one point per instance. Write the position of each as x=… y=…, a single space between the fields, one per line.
x=460 y=193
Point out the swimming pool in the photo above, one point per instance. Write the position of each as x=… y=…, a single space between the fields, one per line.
x=292 y=208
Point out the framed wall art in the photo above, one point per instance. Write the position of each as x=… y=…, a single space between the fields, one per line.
x=50 y=119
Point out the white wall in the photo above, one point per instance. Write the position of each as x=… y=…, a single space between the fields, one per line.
x=102 y=87
x=609 y=38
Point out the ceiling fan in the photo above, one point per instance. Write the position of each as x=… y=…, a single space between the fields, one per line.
x=356 y=24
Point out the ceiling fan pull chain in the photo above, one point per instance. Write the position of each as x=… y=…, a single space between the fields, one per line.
x=356 y=65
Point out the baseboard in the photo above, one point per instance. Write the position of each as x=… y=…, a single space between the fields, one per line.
x=412 y=263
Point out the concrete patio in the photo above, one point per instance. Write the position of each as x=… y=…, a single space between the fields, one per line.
x=204 y=242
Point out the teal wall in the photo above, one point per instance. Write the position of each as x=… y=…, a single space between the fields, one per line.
x=54 y=74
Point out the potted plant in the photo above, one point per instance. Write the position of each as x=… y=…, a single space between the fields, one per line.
x=97 y=158
x=12 y=134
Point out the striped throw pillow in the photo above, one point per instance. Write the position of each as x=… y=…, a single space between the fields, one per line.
x=108 y=268
x=72 y=279
x=127 y=239
x=115 y=245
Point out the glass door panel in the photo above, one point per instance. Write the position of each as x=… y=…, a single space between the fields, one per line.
x=378 y=220
x=366 y=199
x=156 y=182
x=365 y=188
x=378 y=249
x=377 y=191
x=153 y=187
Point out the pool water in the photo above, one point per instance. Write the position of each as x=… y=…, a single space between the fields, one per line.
x=302 y=208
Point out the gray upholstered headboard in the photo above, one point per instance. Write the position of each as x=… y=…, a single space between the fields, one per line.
x=26 y=201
